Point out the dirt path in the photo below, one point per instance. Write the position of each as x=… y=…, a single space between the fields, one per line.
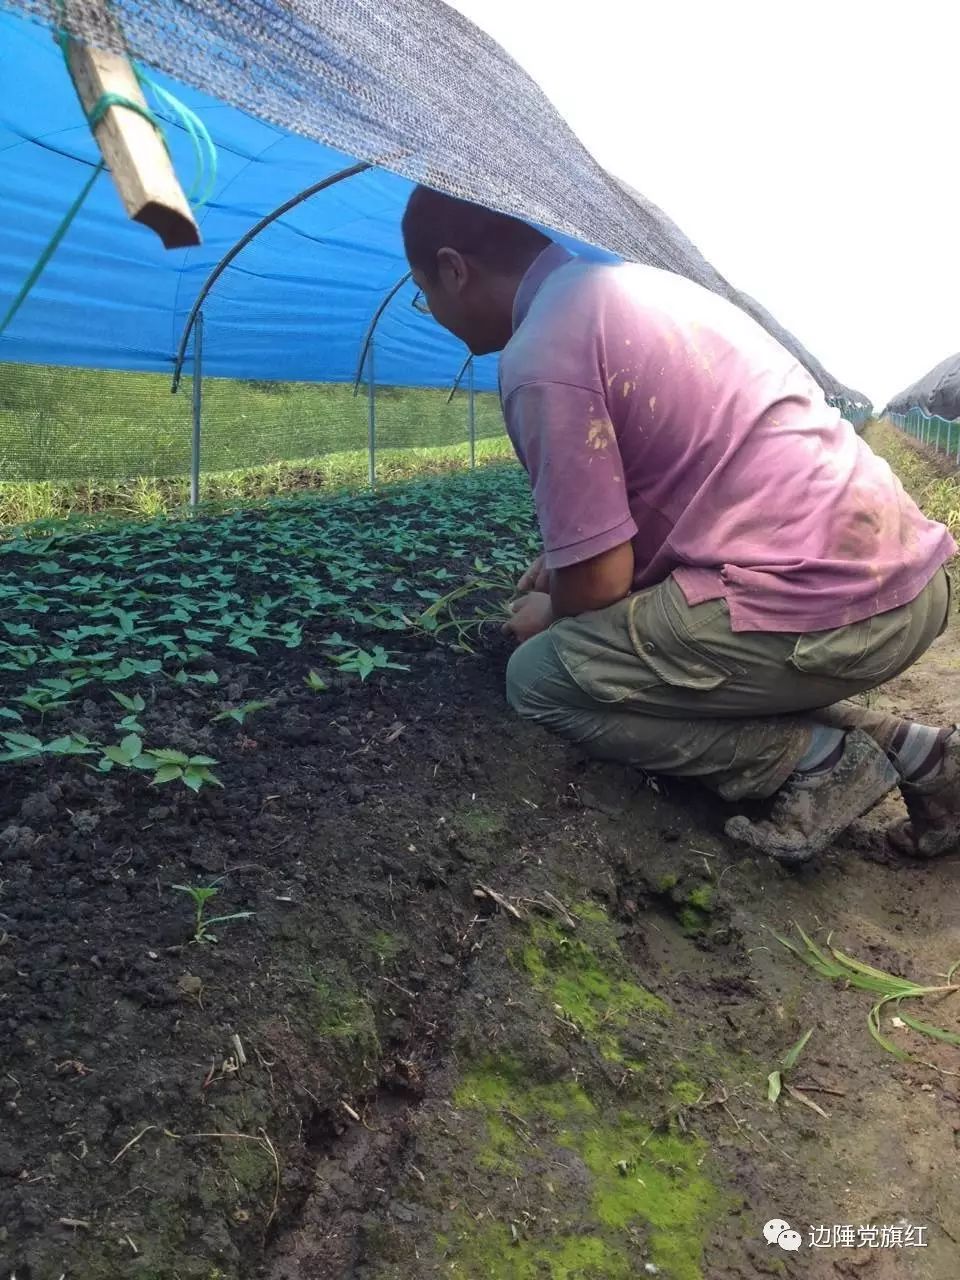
x=573 y=1129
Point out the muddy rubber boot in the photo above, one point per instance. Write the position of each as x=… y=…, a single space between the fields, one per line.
x=807 y=818
x=933 y=827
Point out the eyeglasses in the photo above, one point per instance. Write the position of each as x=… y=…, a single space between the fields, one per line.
x=419 y=303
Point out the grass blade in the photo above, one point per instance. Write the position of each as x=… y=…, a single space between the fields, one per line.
x=927 y=1029
x=790 y=1060
x=873 y=1022
x=885 y=981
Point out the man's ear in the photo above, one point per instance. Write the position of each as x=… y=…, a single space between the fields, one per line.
x=453 y=269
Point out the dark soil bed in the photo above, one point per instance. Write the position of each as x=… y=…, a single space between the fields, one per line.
x=495 y=1011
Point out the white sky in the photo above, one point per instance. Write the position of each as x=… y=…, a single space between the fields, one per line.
x=811 y=151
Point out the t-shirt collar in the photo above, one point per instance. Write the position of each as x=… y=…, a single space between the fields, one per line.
x=554 y=256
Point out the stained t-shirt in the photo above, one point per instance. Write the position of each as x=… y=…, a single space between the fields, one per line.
x=647 y=409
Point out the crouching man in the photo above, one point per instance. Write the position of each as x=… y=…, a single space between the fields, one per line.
x=725 y=564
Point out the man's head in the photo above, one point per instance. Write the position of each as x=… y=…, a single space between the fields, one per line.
x=468 y=262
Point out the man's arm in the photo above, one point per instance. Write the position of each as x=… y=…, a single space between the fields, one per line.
x=592 y=584
x=579 y=588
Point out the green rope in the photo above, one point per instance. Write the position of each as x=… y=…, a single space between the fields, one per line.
x=49 y=251
x=108 y=100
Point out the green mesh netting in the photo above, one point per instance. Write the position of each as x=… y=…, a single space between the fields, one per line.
x=80 y=424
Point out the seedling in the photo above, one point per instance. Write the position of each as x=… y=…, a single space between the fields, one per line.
x=20 y=746
x=364 y=664
x=240 y=713
x=128 y=754
x=165 y=763
x=199 y=677
x=192 y=771
x=71 y=744
x=201 y=895
x=24 y=746
x=315 y=682
x=50 y=694
x=133 y=706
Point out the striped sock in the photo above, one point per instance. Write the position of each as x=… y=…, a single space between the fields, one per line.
x=823 y=754
x=916 y=751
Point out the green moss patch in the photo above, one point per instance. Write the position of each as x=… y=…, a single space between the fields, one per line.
x=610 y=1190
x=581 y=975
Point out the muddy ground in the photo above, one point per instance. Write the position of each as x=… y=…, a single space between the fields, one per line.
x=498 y=1012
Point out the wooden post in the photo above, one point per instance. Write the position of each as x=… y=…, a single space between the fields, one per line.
x=132 y=149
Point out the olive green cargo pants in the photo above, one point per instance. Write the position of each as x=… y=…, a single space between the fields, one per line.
x=670 y=688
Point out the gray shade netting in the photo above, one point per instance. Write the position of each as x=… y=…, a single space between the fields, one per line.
x=937 y=393
x=412 y=86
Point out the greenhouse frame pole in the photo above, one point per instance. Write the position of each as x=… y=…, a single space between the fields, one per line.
x=197 y=410
x=471 y=421
x=244 y=240
x=371 y=419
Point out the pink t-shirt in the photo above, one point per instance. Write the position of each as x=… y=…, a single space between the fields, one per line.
x=647 y=408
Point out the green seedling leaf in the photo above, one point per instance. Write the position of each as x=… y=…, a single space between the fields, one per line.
x=71 y=745
x=199 y=893
x=239 y=714
x=166 y=773
x=8 y=713
x=240 y=640
x=315 y=682
x=774 y=1085
x=23 y=740
x=194 y=777
x=134 y=703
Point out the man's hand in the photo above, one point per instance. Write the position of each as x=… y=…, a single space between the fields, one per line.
x=536 y=578
x=530 y=615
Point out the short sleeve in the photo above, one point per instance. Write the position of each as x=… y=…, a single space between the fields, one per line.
x=566 y=442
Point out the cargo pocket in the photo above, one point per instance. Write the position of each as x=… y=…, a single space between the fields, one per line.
x=867 y=650
x=670 y=649
x=596 y=652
